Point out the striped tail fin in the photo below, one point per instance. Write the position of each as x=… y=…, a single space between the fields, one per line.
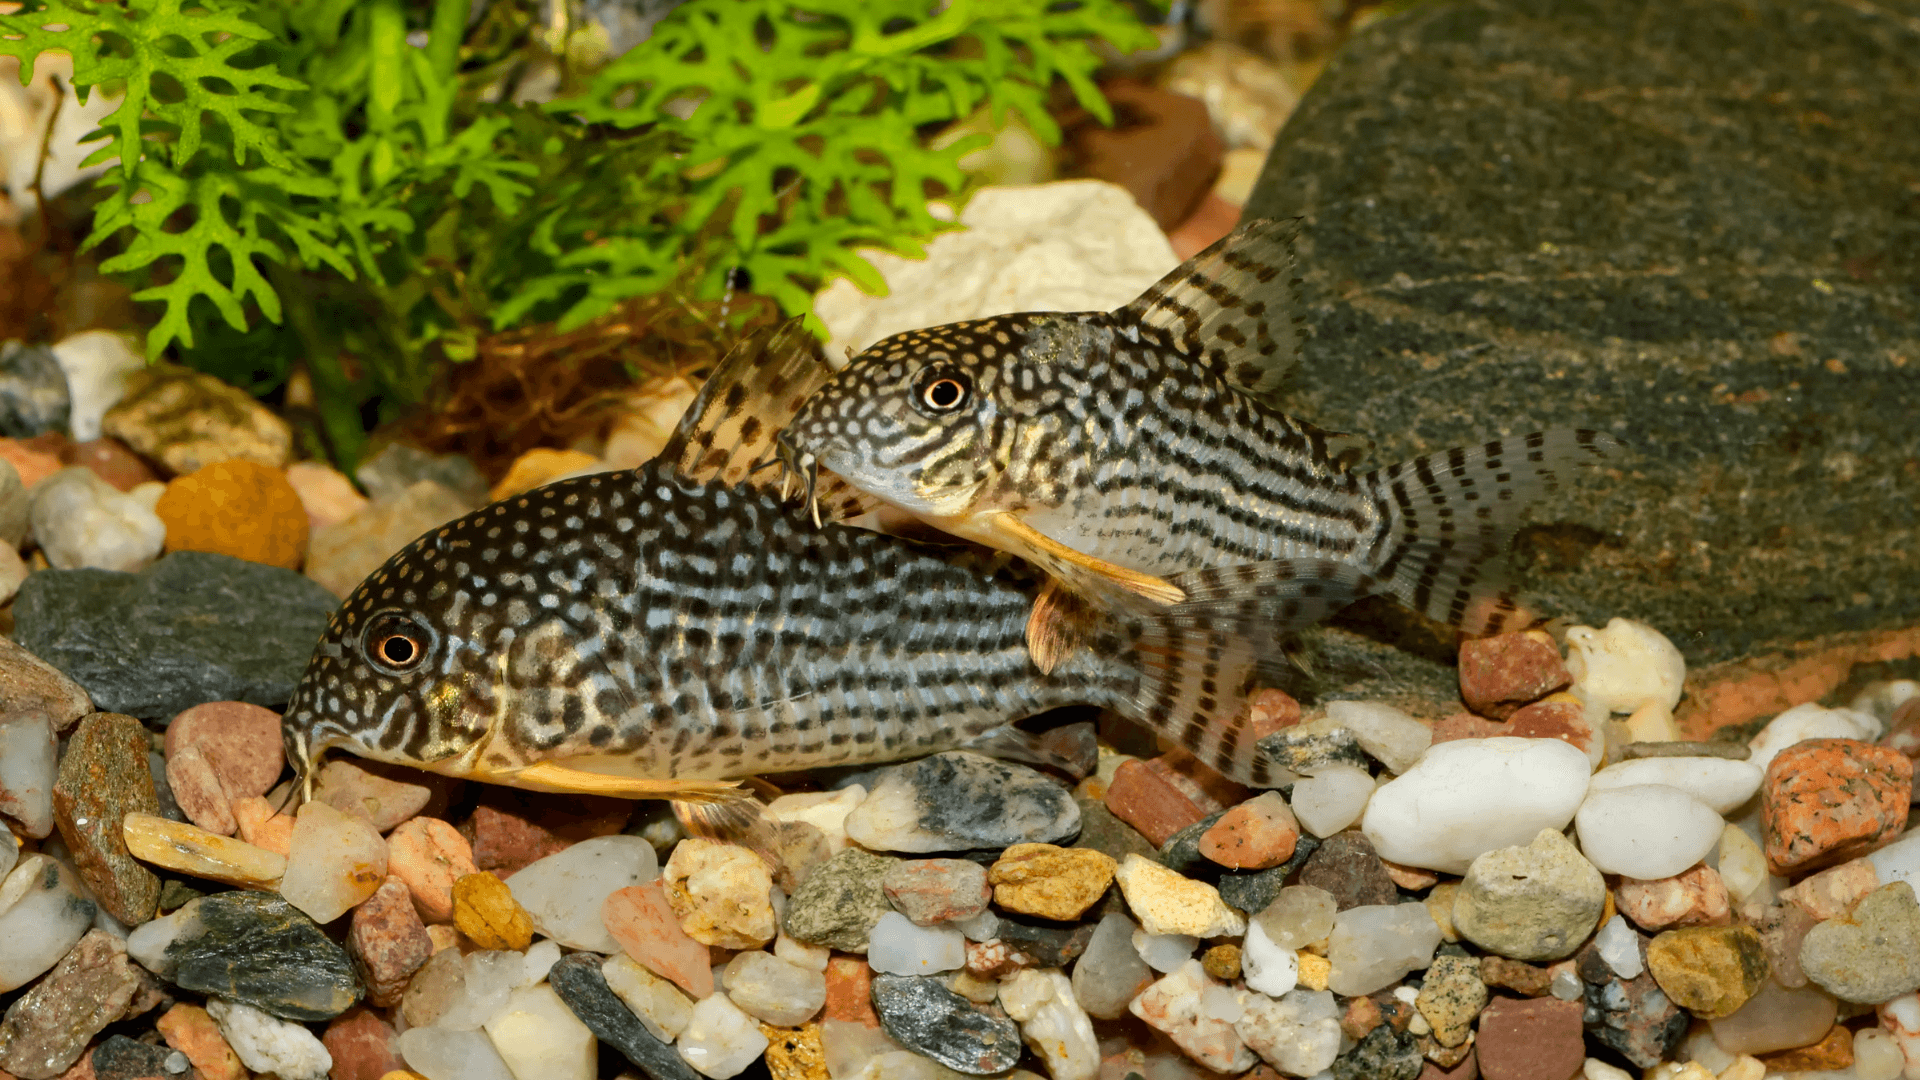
x=1453 y=514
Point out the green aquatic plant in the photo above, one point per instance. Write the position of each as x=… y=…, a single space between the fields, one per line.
x=336 y=185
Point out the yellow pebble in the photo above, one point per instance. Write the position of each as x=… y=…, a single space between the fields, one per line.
x=485 y=910
x=795 y=1053
x=1048 y=881
x=1314 y=971
x=401 y=1074
x=238 y=508
x=538 y=466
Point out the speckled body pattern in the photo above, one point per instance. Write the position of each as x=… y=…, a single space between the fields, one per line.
x=642 y=623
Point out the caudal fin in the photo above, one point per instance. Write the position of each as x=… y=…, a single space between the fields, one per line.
x=1456 y=512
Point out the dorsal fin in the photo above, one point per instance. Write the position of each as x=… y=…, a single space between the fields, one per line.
x=1234 y=306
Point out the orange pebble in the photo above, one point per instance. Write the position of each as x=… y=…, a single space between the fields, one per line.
x=238 y=508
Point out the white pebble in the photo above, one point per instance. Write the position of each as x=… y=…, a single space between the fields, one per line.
x=1743 y=868
x=1809 y=721
x=1221 y=1003
x=1173 y=1007
x=81 y=520
x=1721 y=783
x=1898 y=861
x=720 y=1041
x=1376 y=945
x=564 y=892
x=28 y=755
x=1298 y=917
x=849 y=1046
x=1052 y=1022
x=982 y=927
x=1876 y=1056
x=1470 y=796
x=1565 y=985
x=269 y=1044
x=824 y=810
x=1595 y=1069
x=1331 y=799
x=1390 y=736
x=334 y=861
x=538 y=960
x=770 y=989
x=42 y=915
x=488 y=979
x=96 y=363
x=439 y=1053
x=1649 y=831
x=811 y=957
x=898 y=947
x=148 y=942
x=1625 y=666
x=1164 y=952
x=1299 y=1034
x=1270 y=968
x=659 y=1004
x=1619 y=946
x=540 y=1039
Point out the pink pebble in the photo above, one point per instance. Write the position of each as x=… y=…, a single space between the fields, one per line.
x=241 y=741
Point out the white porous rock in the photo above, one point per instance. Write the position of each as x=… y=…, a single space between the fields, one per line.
x=564 y=892
x=43 y=912
x=1809 y=721
x=1721 y=783
x=897 y=947
x=770 y=989
x=540 y=1039
x=1076 y=245
x=1648 y=831
x=1268 y=967
x=1624 y=666
x=97 y=363
x=1388 y=735
x=1331 y=798
x=1376 y=945
x=1467 y=797
x=824 y=810
x=720 y=1041
x=82 y=521
x=269 y=1044
x=28 y=759
x=659 y=1004
x=1298 y=1034
x=440 y=1053
x=1052 y=1022
x=334 y=861
x=1174 y=1007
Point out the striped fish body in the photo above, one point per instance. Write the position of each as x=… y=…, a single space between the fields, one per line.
x=1116 y=448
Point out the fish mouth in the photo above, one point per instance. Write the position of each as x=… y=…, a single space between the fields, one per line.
x=804 y=466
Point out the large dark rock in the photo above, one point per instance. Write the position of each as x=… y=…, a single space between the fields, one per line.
x=257 y=949
x=927 y=1018
x=1688 y=223
x=578 y=981
x=191 y=628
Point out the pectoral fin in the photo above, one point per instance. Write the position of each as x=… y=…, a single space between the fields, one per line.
x=1078 y=571
x=1052 y=633
x=555 y=776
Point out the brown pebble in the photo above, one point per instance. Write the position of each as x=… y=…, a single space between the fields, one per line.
x=1222 y=962
x=1732 y=751
x=1540 y=1039
x=241 y=741
x=1499 y=674
x=1516 y=975
x=102 y=779
x=1146 y=800
x=362 y=1046
x=485 y=910
x=1832 y=1053
x=389 y=941
x=1362 y=1016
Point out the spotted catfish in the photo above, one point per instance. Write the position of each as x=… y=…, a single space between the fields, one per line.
x=668 y=631
x=1117 y=449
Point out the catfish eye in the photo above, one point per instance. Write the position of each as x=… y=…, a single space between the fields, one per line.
x=941 y=390
x=395 y=643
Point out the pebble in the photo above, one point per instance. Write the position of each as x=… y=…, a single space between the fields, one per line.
x=643 y=923
x=390 y=942
x=1537 y=902
x=512 y=829
x=430 y=855
x=258 y=949
x=240 y=741
x=1387 y=734
x=193 y=1031
x=1164 y=952
x=186 y=419
x=15 y=506
x=933 y=891
x=1256 y=835
x=1633 y=1017
x=1347 y=868
x=1174 y=1006
x=1246 y=95
x=1299 y=916
x=190 y=849
x=483 y=982
x=80 y=520
x=27 y=770
x=538 y=1036
x=1168 y=903
x=1499 y=674
x=1809 y=721
x=334 y=861
x=485 y=911
x=1050 y=882
x=1313 y=745
x=840 y=901
x=102 y=778
x=1625 y=666
x=196 y=789
x=1111 y=971
x=1648 y=831
x=1720 y=783
x=824 y=810
x=1373 y=947
x=399 y=466
x=646 y=420
x=1742 y=866
x=1223 y=962
x=325 y=493
x=897 y=946
x=1468 y=797
x=119 y=1058
x=773 y=990
x=47 y=1028
x=33 y=391
x=1148 y=801
x=959 y=800
x=543 y=465
x=341 y=555
x=1619 y=946
x=721 y=894
x=191 y=628
x=1268 y=968
x=238 y=508
x=1053 y=1023
x=1898 y=861
x=1082 y=245
x=1829 y=800
x=439 y=1054
x=583 y=983
x=1385 y=1053
x=1775 y=1018
x=564 y=892
x=1332 y=799
x=720 y=1040
x=266 y=1043
x=13 y=572
x=1298 y=1034
x=384 y=795
x=1870 y=955
x=97 y=364
x=1710 y=971
x=1530 y=1040
x=1696 y=897
x=1451 y=995
x=1876 y=1055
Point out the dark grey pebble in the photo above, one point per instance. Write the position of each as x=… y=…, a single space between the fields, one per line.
x=1049 y=944
x=927 y=1018
x=578 y=981
x=1385 y=1054
x=256 y=948
x=1181 y=852
x=1305 y=748
x=1252 y=890
x=33 y=391
x=121 y=1058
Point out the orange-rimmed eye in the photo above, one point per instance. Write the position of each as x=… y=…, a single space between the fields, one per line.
x=943 y=391
x=396 y=643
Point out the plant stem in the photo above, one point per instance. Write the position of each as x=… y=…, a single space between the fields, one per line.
x=444 y=37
